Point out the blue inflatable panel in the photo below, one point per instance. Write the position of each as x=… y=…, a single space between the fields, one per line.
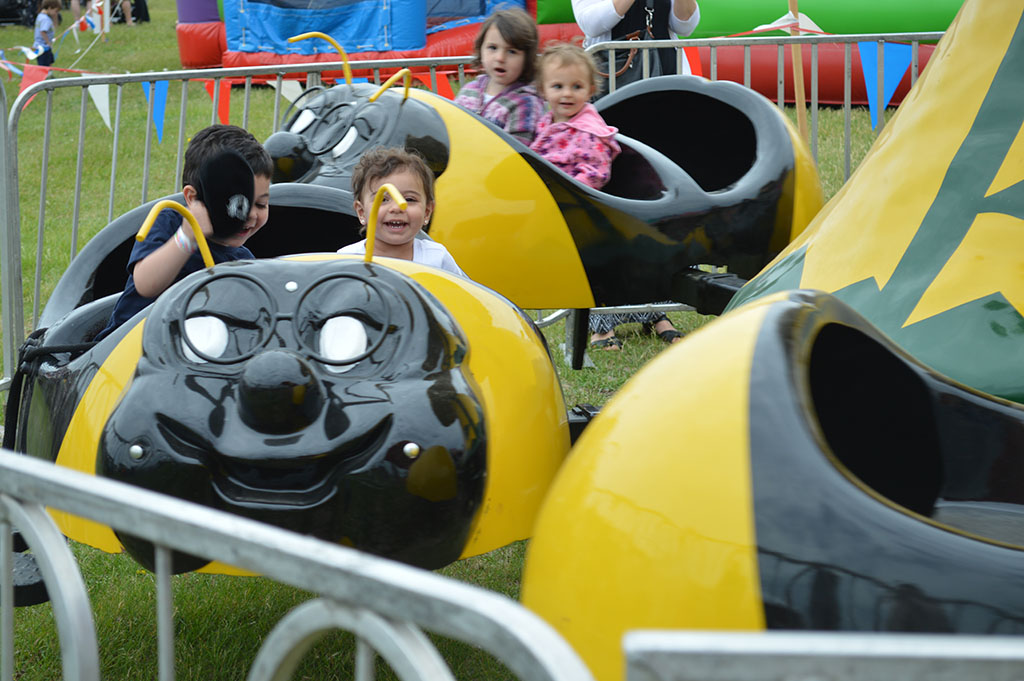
x=466 y=12
x=357 y=25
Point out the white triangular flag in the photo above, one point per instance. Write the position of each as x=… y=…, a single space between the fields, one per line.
x=805 y=24
x=100 y=95
x=290 y=89
x=30 y=55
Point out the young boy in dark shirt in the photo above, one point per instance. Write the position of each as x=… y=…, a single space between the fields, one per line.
x=229 y=201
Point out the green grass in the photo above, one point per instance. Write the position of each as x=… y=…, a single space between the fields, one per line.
x=220 y=621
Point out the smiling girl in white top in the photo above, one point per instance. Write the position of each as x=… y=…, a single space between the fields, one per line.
x=397 y=229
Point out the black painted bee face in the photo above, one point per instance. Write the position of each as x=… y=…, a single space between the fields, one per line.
x=322 y=143
x=324 y=397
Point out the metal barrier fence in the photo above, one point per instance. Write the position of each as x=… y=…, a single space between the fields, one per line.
x=133 y=158
x=387 y=605
x=915 y=40
x=823 y=656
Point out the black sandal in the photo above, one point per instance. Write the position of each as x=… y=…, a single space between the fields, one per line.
x=669 y=335
x=610 y=343
x=647 y=328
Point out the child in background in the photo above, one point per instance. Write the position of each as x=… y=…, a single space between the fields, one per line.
x=42 y=41
x=506 y=51
x=572 y=135
x=395 y=235
x=226 y=183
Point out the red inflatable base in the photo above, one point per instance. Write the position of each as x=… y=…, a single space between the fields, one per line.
x=454 y=42
x=205 y=45
x=201 y=45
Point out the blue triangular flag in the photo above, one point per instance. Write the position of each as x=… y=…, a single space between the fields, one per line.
x=159 y=106
x=897 y=58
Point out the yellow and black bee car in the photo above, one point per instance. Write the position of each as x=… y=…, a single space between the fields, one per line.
x=926 y=239
x=710 y=173
x=380 y=404
x=820 y=478
x=852 y=458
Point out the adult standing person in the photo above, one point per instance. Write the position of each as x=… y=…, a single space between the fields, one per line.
x=602 y=20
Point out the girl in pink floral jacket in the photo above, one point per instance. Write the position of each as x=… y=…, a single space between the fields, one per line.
x=572 y=135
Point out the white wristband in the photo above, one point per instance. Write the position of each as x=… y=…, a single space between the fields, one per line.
x=184 y=241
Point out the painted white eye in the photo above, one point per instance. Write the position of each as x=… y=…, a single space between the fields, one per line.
x=302 y=122
x=208 y=334
x=346 y=142
x=342 y=338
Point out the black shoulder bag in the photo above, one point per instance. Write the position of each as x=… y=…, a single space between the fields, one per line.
x=643 y=21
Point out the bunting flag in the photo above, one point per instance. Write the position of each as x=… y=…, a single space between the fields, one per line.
x=100 y=96
x=159 y=106
x=290 y=89
x=33 y=75
x=30 y=54
x=788 y=21
x=224 y=102
x=897 y=57
x=11 y=69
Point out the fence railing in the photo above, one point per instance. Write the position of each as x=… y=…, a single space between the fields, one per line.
x=131 y=149
x=387 y=605
x=813 y=41
x=824 y=656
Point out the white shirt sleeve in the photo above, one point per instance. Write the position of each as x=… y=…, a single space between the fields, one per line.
x=596 y=18
x=430 y=252
x=683 y=28
x=358 y=248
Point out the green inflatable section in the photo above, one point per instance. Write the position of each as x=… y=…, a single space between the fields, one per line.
x=726 y=17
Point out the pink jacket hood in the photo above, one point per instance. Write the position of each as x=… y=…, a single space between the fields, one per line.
x=588 y=120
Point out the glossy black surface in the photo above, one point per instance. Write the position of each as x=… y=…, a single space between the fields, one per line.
x=323 y=141
x=706 y=176
x=272 y=429
x=832 y=555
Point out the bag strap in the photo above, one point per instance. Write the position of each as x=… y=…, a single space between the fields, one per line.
x=649 y=18
x=635 y=35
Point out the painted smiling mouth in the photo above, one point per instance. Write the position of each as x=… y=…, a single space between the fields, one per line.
x=295 y=482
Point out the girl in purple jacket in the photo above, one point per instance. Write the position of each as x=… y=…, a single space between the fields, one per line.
x=572 y=135
x=506 y=52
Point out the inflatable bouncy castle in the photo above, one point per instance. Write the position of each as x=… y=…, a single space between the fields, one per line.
x=215 y=33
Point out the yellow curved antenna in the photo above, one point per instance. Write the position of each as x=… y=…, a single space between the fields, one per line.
x=204 y=249
x=387 y=83
x=371 y=229
x=334 y=43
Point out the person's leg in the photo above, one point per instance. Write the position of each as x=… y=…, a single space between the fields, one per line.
x=76 y=10
x=602 y=332
x=666 y=331
x=126 y=12
x=660 y=324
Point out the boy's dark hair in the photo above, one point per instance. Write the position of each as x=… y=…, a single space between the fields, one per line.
x=518 y=29
x=50 y=4
x=567 y=54
x=381 y=161
x=212 y=140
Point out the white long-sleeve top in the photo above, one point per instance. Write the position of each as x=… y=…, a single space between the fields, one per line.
x=596 y=18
